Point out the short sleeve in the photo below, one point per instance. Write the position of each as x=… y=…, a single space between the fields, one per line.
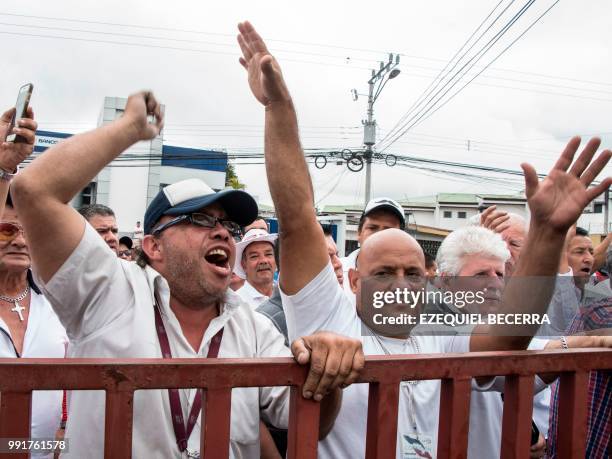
x=90 y=289
x=320 y=305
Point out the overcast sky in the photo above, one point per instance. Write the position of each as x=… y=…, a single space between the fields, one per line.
x=552 y=83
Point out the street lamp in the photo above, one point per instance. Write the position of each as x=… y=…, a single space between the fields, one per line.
x=378 y=80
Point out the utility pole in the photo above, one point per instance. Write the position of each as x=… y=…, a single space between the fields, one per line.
x=376 y=83
x=369 y=139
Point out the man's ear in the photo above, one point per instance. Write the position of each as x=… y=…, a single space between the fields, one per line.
x=152 y=248
x=353 y=277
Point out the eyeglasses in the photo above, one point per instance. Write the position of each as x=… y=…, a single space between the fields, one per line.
x=125 y=253
x=203 y=220
x=9 y=231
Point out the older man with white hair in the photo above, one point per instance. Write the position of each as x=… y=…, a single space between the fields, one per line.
x=471 y=251
x=474 y=252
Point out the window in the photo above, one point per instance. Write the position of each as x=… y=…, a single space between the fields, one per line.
x=88 y=195
x=461 y=215
x=598 y=207
x=448 y=214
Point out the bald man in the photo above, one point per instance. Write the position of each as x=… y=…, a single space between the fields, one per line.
x=313 y=300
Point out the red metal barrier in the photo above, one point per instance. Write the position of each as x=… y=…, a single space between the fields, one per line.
x=120 y=378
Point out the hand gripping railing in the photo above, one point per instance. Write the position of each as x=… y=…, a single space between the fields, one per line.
x=120 y=378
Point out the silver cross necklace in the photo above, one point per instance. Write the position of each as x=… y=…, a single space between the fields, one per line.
x=17 y=308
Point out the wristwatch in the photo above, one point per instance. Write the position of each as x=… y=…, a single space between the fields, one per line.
x=7 y=176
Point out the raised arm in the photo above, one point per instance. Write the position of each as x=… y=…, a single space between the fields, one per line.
x=42 y=191
x=555 y=204
x=303 y=251
x=13 y=153
x=601 y=252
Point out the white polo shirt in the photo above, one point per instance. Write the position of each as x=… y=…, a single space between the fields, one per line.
x=106 y=305
x=251 y=295
x=44 y=338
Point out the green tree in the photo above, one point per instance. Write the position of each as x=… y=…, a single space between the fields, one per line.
x=231 y=179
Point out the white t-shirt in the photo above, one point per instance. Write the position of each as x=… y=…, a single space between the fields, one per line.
x=322 y=305
x=251 y=295
x=106 y=305
x=44 y=338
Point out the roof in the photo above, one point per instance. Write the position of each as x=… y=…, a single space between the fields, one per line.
x=458 y=198
x=432 y=201
x=423 y=229
x=503 y=197
x=420 y=201
x=338 y=208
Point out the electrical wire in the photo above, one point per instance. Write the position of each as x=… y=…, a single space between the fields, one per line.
x=425 y=113
x=436 y=81
x=452 y=81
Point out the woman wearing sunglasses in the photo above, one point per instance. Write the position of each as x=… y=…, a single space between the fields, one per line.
x=28 y=325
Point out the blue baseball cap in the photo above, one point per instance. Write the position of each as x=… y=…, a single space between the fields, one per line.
x=191 y=195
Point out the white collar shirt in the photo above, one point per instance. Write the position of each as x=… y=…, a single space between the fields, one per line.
x=44 y=338
x=349 y=262
x=251 y=295
x=106 y=305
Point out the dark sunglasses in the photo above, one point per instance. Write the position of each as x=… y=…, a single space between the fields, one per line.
x=203 y=220
x=9 y=231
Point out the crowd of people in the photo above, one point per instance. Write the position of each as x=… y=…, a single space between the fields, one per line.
x=204 y=277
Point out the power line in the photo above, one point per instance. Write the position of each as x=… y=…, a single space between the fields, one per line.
x=425 y=113
x=436 y=81
x=301 y=43
x=138 y=26
x=319 y=63
x=452 y=81
x=496 y=57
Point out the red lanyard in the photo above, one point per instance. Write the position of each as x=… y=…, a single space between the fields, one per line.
x=180 y=432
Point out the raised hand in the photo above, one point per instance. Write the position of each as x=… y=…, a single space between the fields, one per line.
x=138 y=108
x=495 y=220
x=13 y=153
x=559 y=199
x=265 y=76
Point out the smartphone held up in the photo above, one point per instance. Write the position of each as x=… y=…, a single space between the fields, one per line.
x=21 y=109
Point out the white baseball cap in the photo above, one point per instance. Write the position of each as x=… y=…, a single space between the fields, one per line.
x=386 y=203
x=252 y=235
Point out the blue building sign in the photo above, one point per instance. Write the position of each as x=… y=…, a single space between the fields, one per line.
x=193 y=158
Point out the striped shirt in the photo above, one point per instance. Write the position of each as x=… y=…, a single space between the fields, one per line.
x=593 y=316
